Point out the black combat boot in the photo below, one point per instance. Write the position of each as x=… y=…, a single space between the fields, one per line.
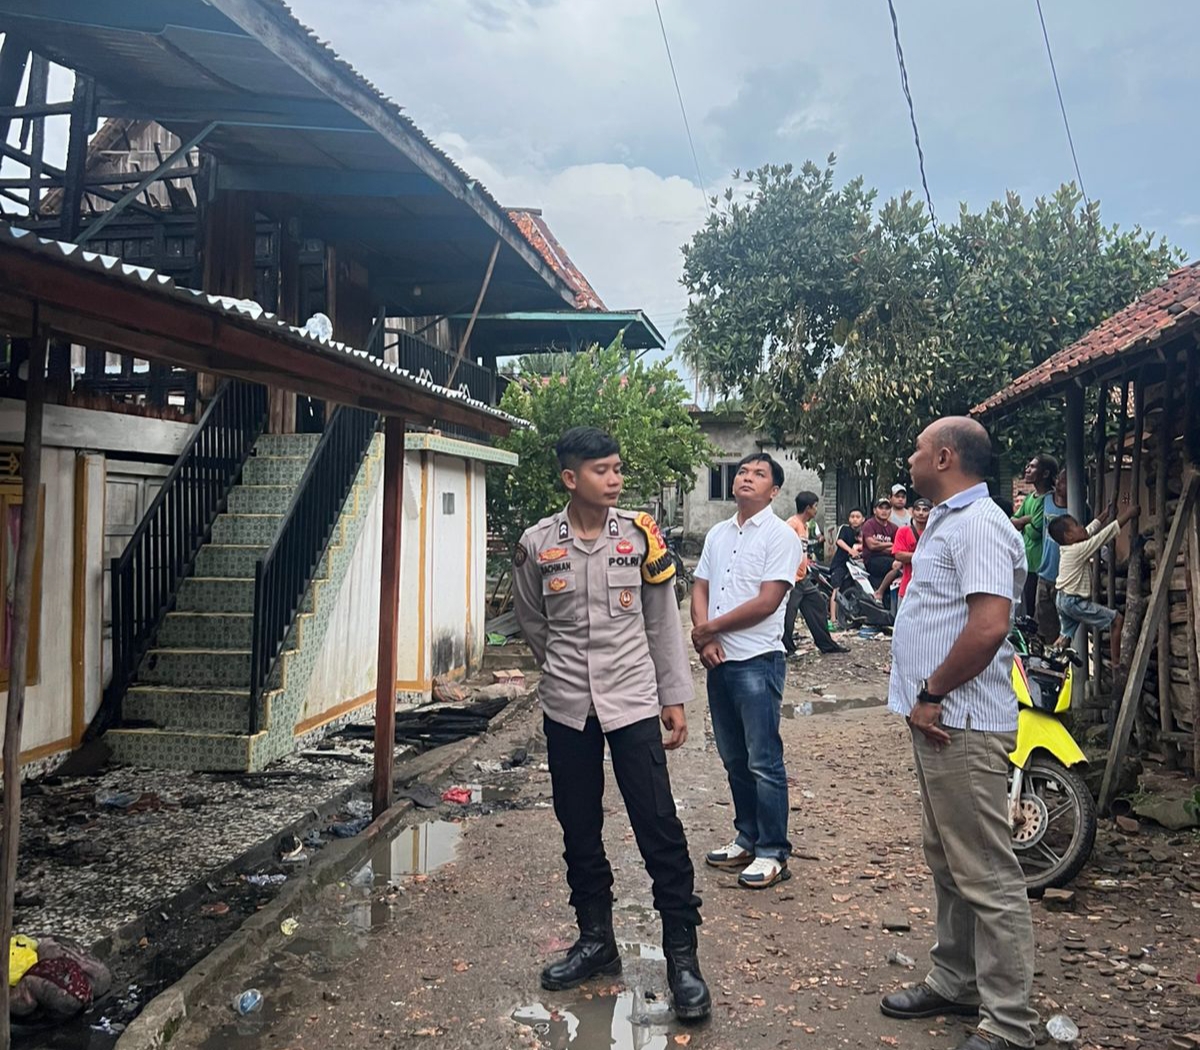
x=595 y=952
x=688 y=990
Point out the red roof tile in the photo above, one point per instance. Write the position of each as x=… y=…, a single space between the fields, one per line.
x=1162 y=314
x=537 y=233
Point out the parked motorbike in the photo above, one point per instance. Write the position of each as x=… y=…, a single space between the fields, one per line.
x=856 y=602
x=1052 y=812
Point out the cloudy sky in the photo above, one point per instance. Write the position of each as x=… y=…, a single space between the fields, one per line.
x=568 y=105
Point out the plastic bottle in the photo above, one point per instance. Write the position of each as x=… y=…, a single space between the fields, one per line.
x=1062 y=1029
x=248 y=1002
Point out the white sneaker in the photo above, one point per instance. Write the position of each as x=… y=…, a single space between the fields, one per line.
x=731 y=856
x=764 y=872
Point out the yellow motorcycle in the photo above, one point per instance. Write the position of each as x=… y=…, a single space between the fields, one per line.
x=1052 y=811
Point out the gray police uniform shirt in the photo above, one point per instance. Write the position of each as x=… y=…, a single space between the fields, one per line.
x=608 y=642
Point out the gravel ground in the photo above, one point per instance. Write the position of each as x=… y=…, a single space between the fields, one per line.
x=449 y=956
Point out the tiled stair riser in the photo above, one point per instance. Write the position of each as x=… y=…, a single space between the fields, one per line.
x=274 y=470
x=194 y=683
x=246 y=528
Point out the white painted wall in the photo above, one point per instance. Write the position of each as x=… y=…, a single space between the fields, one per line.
x=52 y=721
x=700 y=513
x=442 y=590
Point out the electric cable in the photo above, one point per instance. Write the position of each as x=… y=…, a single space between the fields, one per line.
x=1061 y=105
x=682 y=108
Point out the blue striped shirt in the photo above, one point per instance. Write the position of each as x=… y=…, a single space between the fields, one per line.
x=968 y=547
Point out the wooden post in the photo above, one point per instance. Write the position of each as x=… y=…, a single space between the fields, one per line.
x=1139 y=429
x=1118 y=467
x=31 y=504
x=1099 y=436
x=487 y=280
x=1193 y=636
x=1159 y=593
x=1076 y=496
x=1166 y=566
x=389 y=613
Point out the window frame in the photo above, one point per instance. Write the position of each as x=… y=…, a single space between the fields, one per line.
x=728 y=471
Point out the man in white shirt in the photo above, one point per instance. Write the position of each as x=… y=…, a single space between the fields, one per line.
x=746 y=569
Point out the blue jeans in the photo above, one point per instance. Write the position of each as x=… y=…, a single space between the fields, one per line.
x=744 y=697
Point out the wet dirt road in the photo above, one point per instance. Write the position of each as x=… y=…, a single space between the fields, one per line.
x=438 y=943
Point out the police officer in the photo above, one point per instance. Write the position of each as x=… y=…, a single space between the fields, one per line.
x=594 y=600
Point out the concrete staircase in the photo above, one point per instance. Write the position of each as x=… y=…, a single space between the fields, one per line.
x=190 y=705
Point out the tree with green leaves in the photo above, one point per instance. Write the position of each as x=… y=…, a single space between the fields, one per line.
x=847 y=328
x=644 y=406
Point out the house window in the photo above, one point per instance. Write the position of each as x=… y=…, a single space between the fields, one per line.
x=447 y=503
x=11 y=498
x=720 y=482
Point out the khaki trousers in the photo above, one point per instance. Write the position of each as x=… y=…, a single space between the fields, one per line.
x=984 y=950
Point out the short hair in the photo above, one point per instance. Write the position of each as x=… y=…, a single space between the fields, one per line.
x=855 y=510
x=1058 y=527
x=968 y=438
x=763 y=457
x=1047 y=465
x=806 y=499
x=579 y=444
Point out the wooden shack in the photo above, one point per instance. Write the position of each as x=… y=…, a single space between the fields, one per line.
x=1130 y=395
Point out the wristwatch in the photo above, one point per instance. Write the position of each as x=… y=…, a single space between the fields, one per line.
x=925 y=696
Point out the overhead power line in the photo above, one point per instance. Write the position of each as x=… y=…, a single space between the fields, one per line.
x=1061 y=104
x=682 y=108
x=912 y=116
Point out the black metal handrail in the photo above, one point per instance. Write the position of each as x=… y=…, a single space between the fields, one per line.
x=422 y=358
x=283 y=574
x=161 y=551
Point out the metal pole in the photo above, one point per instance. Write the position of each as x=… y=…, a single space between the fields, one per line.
x=487 y=279
x=23 y=584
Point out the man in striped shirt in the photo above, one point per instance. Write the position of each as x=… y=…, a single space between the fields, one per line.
x=952 y=680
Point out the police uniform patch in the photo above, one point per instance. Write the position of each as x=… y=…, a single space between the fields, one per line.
x=520 y=555
x=552 y=554
x=557 y=584
x=614 y=528
x=624 y=547
x=564 y=530
x=626 y=599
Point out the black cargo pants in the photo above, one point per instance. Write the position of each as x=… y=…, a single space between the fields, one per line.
x=576 y=759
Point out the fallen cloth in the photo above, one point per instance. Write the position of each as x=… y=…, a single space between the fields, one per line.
x=436 y=725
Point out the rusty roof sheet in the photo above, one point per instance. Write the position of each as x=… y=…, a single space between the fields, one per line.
x=1153 y=319
x=244 y=309
x=537 y=232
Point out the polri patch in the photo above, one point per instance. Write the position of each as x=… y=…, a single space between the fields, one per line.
x=552 y=554
x=624 y=547
x=520 y=555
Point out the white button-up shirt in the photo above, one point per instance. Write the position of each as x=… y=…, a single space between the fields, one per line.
x=968 y=547
x=736 y=561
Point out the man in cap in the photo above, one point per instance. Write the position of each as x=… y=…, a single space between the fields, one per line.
x=900 y=515
x=593 y=597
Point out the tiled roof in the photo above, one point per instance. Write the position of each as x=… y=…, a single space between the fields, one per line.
x=1157 y=317
x=536 y=232
x=243 y=309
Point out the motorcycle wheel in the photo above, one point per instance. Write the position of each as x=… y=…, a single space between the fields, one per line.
x=1058 y=825
x=683 y=580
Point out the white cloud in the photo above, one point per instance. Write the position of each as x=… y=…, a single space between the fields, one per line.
x=624 y=226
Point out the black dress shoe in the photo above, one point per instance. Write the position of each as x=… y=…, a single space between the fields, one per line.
x=981 y=1041
x=835 y=649
x=922 y=1001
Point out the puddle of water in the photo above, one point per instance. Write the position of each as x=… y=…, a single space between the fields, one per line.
x=248 y=1032
x=830 y=705
x=639 y=950
x=625 y=1021
x=493 y=792
x=415 y=850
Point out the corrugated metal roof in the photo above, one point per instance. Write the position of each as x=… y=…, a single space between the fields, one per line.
x=242 y=309
x=1155 y=318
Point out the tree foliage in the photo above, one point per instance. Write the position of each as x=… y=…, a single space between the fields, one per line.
x=644 y=406
x=847 y=328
